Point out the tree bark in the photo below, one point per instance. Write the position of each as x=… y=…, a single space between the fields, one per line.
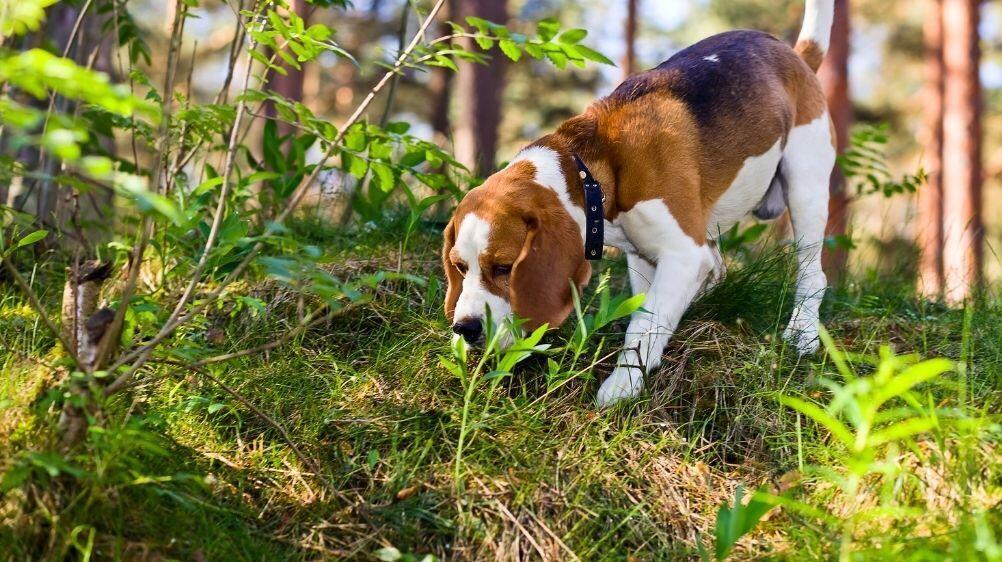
x=834 y=77
x=481 y=92
x=440 y=86
x=630 y=39
x=962 y=228
x=930 y=196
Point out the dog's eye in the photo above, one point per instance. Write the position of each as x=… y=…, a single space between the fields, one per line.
x=502 y=270
x=461 y=267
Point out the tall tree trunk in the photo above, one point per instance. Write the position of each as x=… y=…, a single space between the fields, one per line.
x=79 y=216
x=481 y=92
x=289 y=85
x=630 y=39
x=440 y=85
x=834 y=76
x=962 y=229
x=930 y=196
x=61 y=21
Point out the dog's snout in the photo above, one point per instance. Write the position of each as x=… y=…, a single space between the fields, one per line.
x=470 y=328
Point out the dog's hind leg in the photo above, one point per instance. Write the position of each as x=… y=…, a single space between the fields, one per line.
x=806 y=166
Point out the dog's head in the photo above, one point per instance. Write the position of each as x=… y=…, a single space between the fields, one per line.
x=511 y=247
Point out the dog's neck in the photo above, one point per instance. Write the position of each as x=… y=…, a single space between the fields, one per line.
x=578 y=136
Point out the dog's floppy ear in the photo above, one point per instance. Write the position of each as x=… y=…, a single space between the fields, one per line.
x=452 y=276
x=551 y=258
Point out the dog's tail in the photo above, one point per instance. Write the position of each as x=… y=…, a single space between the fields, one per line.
x=814 y=35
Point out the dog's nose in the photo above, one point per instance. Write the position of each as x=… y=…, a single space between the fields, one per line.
x=469 y=328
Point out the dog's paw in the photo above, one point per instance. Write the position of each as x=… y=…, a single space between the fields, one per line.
x=802 y=333
x=623 y=384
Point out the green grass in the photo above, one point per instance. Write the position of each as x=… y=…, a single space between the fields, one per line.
x=543 y=475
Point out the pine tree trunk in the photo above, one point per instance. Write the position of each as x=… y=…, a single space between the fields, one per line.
x=834 y=77
x=930 y=195
x=440 y=85
x=480 y=93
x=962 y=229
x=630 y=39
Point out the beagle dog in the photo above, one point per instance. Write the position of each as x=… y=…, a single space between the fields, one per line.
x=735 y=124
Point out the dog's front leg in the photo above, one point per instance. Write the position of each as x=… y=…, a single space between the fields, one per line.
x=679 y=275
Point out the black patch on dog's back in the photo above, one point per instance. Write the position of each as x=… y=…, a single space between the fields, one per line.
x=722 y=72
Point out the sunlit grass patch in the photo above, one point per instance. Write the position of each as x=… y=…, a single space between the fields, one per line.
x=541 y=473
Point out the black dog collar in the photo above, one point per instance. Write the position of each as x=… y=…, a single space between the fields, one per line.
x=594 y=212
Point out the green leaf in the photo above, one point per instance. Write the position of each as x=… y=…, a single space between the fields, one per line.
x=483 y=41
x=593 y=55
x=912 y=376
x=354 y=165
x=558 y=58
x=627 y=307
x=901 y=430
x=547 y=29
x=572 y=36
x=20 y=16
x=384 y=174
x=31 y=238
x=535 y=51
x=510 y=49
x=837 y=428
x=734 y=522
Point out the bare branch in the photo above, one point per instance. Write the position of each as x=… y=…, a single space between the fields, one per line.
x=146 y=226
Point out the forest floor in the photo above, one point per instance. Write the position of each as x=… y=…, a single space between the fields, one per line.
x=195 y=474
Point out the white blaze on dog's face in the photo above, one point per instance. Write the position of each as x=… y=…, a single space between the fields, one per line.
x=511 y=248
x=476 y=297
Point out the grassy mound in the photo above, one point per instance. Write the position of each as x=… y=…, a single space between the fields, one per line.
x=180 y=468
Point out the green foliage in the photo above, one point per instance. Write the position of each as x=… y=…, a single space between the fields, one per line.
x=876 y=420
x=286 y=36
x=864 y=164
x=18 y=17
x=736 y=520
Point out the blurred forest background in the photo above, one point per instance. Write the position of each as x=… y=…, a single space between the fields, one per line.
x=887 y=67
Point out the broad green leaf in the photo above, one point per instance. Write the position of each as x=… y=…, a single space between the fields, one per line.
x=901 y=430
x=572 y=36
x=627 y=307
x=510 y=49
x=912 y=376
x=385 y=176
x=594 y=55
x=547 y=29
x=483 y=41
x=737 y=520
x=31 y=238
